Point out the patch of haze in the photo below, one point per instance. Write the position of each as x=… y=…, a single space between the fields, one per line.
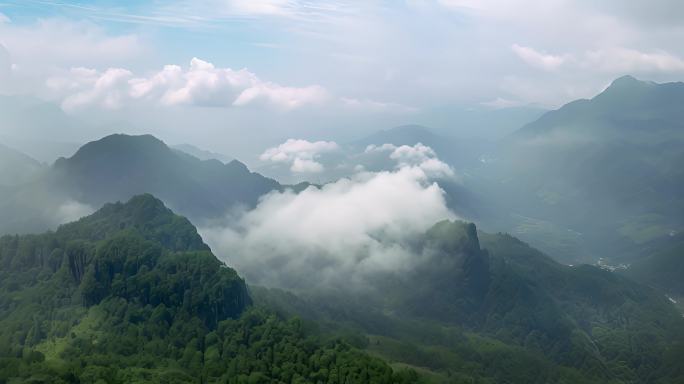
x=72 y=210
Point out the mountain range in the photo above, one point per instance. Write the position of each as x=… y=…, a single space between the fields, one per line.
x=490 y=307
x=132 y=293
x=118 y=167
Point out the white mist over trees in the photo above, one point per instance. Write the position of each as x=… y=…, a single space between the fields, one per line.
x=337 y=234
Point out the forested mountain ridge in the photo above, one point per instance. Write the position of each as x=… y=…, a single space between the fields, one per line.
x=489 y=307
x=118 y=167
x=596 y=177
x=132 y=294
x=627 y=103
x=661 y=265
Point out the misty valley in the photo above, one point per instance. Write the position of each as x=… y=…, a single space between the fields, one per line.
x=341 y=192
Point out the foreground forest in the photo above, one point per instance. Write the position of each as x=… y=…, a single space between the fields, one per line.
x=132 y=294
x=505 y=313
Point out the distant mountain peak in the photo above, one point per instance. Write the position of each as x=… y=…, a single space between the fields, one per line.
x=122 y=137
x=119 y=166
x=120 y=144
x=626 y=83
x=626 y=79
x=145 y=213
x=238 y=165
x=626 y=102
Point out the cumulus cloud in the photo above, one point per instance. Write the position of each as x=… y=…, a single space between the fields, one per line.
x=419 y=155
x=87 y=86
x=306 y=166
x=300 y=154
x=202 y=84
x=339 y=234
x=343 y=233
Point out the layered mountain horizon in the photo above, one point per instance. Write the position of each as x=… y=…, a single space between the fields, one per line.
x=552 y=254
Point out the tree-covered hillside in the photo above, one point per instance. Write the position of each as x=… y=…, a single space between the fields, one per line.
x=131 y=294
x=117 y=167
x=490 y=307
x=596 y=177
x=661 y=265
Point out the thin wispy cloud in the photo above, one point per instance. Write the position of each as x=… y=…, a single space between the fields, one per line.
x=198 y=14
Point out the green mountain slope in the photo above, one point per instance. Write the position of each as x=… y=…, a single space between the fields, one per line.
x=117 y=167
x=131 y=294
x=600 y=175
x=661 y=265
x=490 y=307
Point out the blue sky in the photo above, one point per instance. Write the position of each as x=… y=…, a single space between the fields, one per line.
x=361 y=43
x=305 y=68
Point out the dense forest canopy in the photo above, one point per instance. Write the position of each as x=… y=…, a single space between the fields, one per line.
x=132 y=294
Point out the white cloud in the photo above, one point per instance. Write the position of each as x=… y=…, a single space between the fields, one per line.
x=284 y=97
x=301 y=154
x=538 y=59
x=306 y=166
x=343 y=233
x=338 y=234
x=4 y=18
x=202 y=84
x=614 y=60
x=374 y=50
x=624 y=60
x=380 y=148
x=420 y=156
x=108 y=89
